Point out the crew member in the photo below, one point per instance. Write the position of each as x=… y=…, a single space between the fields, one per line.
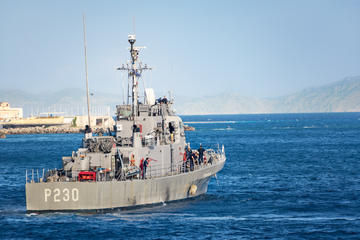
x=193 y=160
x=141 y=167
x=145 y=165
x=164 y=100
x=172 y=130
x=188 y=156
x=87 y=132
x=184 y=161
x=201 y=154
x=132 y=160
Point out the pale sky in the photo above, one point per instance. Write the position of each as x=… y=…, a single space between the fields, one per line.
x=254 y=48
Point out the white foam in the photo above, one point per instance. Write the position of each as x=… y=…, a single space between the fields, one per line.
x=223 y=218
x=209 y=122
x=31 y=214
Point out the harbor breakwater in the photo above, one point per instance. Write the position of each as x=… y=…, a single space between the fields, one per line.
x=41 y=130
x=56 y=129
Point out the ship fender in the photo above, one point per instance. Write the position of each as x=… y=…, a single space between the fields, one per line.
x=193 y=189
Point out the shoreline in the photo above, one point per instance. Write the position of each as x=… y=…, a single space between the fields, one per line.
x=40 y=130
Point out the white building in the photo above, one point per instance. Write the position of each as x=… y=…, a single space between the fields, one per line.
x=7 y=113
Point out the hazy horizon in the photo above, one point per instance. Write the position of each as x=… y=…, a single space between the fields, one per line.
x=119 y=93
x=340 y=96
x=254 y=48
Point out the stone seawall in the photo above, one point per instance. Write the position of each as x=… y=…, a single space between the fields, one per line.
x=40 y=130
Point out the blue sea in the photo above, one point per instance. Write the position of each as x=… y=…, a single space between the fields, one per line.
x=287 y=176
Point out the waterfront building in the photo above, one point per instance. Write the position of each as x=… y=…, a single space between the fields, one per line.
x=7 y=113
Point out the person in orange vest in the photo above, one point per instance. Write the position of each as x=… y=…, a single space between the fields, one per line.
x=132 y=160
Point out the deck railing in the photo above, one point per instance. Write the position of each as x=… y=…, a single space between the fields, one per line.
x=55 y=175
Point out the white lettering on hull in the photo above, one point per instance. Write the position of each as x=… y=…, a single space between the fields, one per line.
x=75 y=194
x=47 y=193
x=58 y=196
x=66 y=193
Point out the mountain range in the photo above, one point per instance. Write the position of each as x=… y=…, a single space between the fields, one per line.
x=340 y=96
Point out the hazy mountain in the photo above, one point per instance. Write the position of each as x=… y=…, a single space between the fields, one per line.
x=341 y=96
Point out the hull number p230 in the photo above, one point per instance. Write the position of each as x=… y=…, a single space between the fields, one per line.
x=61 y=195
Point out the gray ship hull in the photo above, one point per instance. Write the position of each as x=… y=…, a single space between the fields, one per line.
x=59 y=196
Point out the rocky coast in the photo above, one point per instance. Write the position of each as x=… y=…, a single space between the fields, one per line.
x=55 y=129
x=40 y=130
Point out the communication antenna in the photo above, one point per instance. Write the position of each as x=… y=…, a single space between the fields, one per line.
x=123 y=86
x=134 y=25
x=86 y=73
x=128 y=90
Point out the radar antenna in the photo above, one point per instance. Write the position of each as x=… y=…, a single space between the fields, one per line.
x=134 y=70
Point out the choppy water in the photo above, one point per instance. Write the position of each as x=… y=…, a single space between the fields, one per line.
x=293 y=176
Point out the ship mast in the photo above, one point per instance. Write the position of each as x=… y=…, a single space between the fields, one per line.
x=134 y=55
x=134 y=72
x=86 y=73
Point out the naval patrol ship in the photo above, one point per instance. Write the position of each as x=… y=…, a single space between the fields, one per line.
x=144 y=160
